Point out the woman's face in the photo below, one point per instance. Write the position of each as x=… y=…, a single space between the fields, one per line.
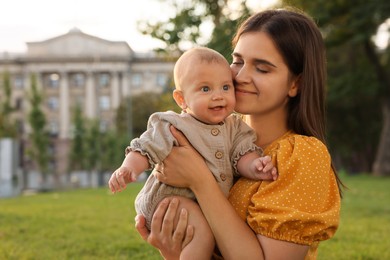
x=263 y=83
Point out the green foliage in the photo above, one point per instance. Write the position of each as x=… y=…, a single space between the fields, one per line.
x=112 y=150
x=138 y=108
x=143 y=106
x=93 y=146
x=222 y=35
x=77 y=160
x=183 y=30
x=166 y=101
x=357 y=76
x=346 y=21
x=7 y=127
x=93 y=150
x=353 y=107
x=39 y=138
x=93 y=224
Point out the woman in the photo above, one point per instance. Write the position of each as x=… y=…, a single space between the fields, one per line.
x=279 y=71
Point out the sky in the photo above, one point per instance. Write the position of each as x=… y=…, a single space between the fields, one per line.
x=24 y=21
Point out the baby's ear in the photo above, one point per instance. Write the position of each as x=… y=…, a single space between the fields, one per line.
x=179 y=98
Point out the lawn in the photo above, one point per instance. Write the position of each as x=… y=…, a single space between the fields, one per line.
x=93 y=224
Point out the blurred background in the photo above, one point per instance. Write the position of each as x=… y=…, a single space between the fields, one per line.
x=80 y=78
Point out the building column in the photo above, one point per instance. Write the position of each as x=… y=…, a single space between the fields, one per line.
x=90 y=93
x=115 y=90
x=64 y=105
x=125 y=84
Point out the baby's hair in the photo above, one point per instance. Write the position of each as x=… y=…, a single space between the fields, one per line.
x=196 y=55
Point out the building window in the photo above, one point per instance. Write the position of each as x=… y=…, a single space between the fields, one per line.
x=53 y=128
x=52 y=103
x=161 y=80
x=19 y=103
x=136 y=80
x=104 y=103
x=77 y=80
x=79 y=101
x=104 y=80
x=18 y=81
x=53 y=80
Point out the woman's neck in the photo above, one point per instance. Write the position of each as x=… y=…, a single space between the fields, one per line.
x=268 y=129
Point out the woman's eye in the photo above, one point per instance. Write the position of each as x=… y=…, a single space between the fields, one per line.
x=237 y=62
x=262 y=70
x=205 y=89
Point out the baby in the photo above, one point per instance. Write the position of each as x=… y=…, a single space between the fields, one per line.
x=205 y=92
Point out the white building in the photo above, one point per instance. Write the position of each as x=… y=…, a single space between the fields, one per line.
x=77 y=68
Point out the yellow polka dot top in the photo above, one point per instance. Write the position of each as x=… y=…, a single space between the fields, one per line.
x=303 y=205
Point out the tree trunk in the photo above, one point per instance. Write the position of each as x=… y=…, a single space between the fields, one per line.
x=381 y=165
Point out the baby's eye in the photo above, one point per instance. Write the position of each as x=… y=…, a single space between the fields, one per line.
x=205 y=89
x=226 y=87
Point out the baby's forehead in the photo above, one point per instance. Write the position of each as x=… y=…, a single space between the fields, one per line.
x=194 y=59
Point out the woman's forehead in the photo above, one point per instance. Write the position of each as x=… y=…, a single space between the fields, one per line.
x=257 y=46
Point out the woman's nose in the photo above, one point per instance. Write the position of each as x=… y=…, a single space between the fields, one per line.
x=241 y=75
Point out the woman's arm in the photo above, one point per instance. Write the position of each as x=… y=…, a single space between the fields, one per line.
x=184 y=167
x=234 y=237
x=169 y=238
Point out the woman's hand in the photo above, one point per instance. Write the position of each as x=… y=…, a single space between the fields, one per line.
x=170 y=240
x=184 y=166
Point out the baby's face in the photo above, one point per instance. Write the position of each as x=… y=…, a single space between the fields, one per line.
x=209 y=92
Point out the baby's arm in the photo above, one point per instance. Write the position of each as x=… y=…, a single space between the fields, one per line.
x=132 y=166
x=254 y=167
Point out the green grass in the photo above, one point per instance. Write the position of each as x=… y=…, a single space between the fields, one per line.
x=93 y=224
x=81 y=224
x=365 y=221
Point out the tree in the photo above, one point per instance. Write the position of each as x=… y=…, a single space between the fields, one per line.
x=142 y=106
x=93 y=148
x=113 y=150
x=77 y=152
x=352 y=108
x=39 y=138
x=7 y=127
x=351 y=25
x=184 y=29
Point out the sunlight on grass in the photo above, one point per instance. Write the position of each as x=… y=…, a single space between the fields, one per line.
x=81 y=224
x=94 y=224
x=365 y=222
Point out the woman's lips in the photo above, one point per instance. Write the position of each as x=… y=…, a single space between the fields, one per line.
x=241 y=91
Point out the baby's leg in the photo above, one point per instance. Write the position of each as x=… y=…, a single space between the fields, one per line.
x=202 y=245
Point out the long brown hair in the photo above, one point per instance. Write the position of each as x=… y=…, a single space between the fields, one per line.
x=301 y=45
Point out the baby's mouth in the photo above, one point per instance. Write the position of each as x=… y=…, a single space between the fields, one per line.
x=217 y=108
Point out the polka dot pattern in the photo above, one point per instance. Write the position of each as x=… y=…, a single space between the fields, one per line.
x=303 y=205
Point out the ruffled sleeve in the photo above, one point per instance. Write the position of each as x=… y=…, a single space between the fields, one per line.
x=157 y=141
x=303 y=205
x=243 y=141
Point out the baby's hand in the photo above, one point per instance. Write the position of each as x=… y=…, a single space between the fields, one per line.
x=120 y=178
x=264 y=169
